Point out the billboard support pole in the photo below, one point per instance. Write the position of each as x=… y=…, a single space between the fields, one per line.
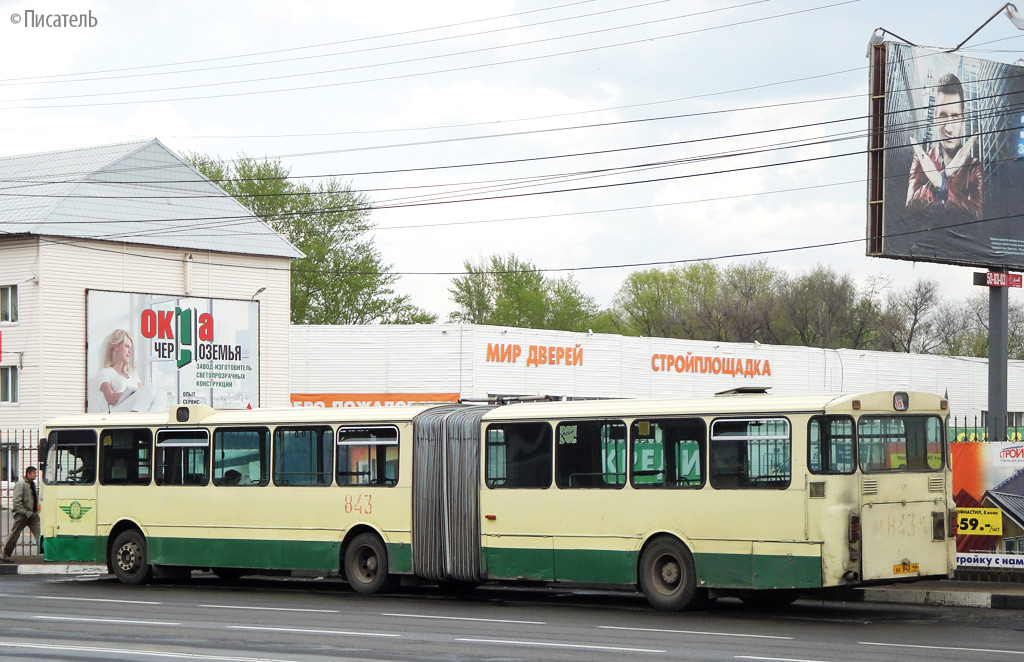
x=998 y=325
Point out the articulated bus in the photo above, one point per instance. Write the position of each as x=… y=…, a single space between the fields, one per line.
x=753 y=496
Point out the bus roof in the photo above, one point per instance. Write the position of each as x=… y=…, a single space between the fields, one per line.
x=875 y=401
x=735 y=404
x=259 y=416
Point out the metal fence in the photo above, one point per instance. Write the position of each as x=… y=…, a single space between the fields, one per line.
x=18 y=450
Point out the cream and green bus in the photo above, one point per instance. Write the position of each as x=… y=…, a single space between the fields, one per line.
x=748 y=495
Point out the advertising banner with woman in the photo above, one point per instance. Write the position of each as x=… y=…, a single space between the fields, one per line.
x=147 y=352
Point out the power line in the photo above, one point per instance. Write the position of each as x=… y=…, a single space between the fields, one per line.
x=629 y=265
x=299 y=48
x=403 y=76
x=387 y=47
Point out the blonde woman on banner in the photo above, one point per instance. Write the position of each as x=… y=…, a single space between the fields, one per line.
x=119 y=384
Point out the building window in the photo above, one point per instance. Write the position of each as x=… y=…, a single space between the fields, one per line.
x=8 y=383
x=8 y=303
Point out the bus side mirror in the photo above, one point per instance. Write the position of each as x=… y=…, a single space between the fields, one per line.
x=41 y=452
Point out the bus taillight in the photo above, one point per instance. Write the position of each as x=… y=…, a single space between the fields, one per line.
x=952 y=523
x=854 y=528
x=938 y=526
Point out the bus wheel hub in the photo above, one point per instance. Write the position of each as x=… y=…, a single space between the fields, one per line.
x=670 y=573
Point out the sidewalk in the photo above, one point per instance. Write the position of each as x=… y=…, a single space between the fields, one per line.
x=943 y=592
x=34 y=565
x=939 y=592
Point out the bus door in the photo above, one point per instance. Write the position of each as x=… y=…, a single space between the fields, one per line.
x=69 y=512
x=596 y=533
x=516 y=502
x=904 y=503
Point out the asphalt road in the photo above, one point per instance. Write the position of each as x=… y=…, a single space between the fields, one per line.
x=83 y=618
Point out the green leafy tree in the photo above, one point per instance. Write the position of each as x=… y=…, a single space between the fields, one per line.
x=342 y=279
x=508 y=291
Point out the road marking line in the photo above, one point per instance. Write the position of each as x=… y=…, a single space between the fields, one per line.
x=776 y=659
x=508 y=642
x=709 y=634
x=462 y=618
x=315 y=611
x=127 y=602
x=310 y=631
x=103 y=620
x=136 y=652
x=943 y=648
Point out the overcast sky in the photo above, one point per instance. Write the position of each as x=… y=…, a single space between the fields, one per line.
x=414 y=88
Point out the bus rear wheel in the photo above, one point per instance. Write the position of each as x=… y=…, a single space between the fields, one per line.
x=668 y=577
x=128 y=557
x=366 y=564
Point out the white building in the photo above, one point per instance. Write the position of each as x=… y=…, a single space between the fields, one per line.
x=356 y=365
x=121 y=235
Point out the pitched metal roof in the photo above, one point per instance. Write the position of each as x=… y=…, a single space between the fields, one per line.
x=1009 y=496
x=136 y=192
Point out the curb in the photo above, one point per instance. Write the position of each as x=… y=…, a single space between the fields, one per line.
x=938 y=598
x=52 y=569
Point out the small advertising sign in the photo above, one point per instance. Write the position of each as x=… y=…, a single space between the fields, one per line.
x=998 y=279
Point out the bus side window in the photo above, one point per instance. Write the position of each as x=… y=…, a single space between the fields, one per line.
x=303 y=455
x=518 y=455
x=182 y=457
x=590 y=454
x=368 y=456
x=751 y=454
x=241 y=456
x=668 y=453
x=125 y=456
x=72 y=458
x=830 y=445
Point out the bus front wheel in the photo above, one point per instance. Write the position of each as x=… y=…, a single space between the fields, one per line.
x=366 y=564
x=668 y=577
x=128 y=557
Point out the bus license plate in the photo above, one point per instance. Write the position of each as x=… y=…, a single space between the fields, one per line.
x=905 y=568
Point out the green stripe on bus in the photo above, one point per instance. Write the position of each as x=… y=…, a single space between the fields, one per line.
x=567 y=565
x=620 y=567
x=224 y=553
x=758 y=571
x=74 y=548
x=228 y=553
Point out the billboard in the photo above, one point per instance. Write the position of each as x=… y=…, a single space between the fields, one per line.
x=988 y=488
x=945 y=158
x=146 y=352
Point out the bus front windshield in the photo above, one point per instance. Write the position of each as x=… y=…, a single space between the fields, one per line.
x=900 y=443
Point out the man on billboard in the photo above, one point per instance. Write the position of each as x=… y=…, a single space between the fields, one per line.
x=947 y=178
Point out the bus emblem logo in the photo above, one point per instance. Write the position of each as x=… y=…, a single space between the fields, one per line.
x=75 y=510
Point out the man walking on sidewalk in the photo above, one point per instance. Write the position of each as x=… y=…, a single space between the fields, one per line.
x=26 y=512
